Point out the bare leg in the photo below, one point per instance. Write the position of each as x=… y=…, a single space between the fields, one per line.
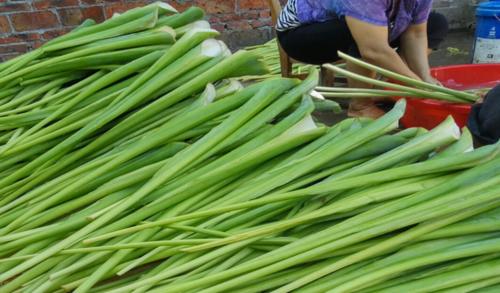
x=362 y=107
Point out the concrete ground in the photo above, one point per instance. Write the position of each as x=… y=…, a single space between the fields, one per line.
x=460 y=42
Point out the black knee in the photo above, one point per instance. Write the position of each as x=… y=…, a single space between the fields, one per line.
x=485 y=118
x=437 y=29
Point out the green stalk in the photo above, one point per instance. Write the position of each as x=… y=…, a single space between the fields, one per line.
x=56 y=97
x=383 y=84
x=407 y=80
x=443 y=134
x=101 y=81
x=484 y=247
x=435 y=270
x=137 y=171
x=157 y=137
x=39 y=91
x=155 y=38
x=177 y=20
x=75 y=120
x=185 y=90
x=418 y=169
x=271 y=112
x=487 y=222
x=114 y=57
x=23 y=61
x=199 y=24
x=463 y=145
x=135 y=25
x=145 y=38
x=106 y=117
x=305 y=244
x=158 y=7
x=368 y=94
x=158 y=277
x=9 y=92
x=485 y=273
x=26 y=81
x=148 y=244
x=177 y=163
x=451 y=214
x=412 y=252
x=229 y=122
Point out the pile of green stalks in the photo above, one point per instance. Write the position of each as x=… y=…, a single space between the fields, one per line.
x=269 y=54
x=401 y=86
x=161 y=175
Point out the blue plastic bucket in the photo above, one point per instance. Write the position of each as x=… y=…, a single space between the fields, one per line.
x=487 y=45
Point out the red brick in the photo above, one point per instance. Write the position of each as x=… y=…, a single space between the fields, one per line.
x=36 y=44
x=260 y=23
x=6 y=57
x=249 y=15
x=181 y=5
x=217 y=6
x=4 y=25
x=110 y=9
x=51 y=34
x=144 y=2
x=9 y=40
x=213 y=19
x=238 y=26
x=100 y=2
x=231 y=17
x=253 y=4
x=44 y=4
x=218 y=27
x=75 y=16
x=14 y=48
x=20 y=38
x=91 y=2
x=14 y=7
x=28 y=37
x=26 y=21
x=265 y=14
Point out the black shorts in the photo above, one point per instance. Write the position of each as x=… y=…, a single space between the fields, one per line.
x=318 y=43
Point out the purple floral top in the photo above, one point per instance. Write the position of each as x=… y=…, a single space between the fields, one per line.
x=376 y=12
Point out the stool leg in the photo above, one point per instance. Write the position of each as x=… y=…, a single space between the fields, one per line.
x=327 y=77
x=286 y=63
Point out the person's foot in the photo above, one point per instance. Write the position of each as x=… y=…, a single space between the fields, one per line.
x=366 y=108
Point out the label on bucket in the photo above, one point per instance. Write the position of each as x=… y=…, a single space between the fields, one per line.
x=487 y=51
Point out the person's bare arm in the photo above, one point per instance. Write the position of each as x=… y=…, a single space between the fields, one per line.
x=414 y=49
x=373 y=44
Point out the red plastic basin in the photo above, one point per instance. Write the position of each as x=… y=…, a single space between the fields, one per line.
x=430 y=113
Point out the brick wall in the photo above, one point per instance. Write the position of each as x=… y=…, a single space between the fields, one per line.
x=26 y=24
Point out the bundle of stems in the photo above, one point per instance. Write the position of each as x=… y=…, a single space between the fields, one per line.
x=165 y=175
x=401 y=86
x=269 y=54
